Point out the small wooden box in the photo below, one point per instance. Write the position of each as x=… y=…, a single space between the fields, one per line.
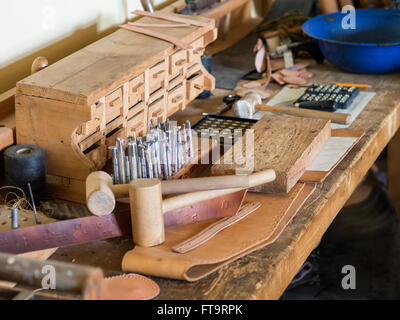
x=78 y=106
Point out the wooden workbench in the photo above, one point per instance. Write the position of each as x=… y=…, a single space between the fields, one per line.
x=266 y=273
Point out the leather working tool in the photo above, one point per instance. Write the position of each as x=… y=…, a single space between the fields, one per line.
x=28 y=273
x=147 y=205
x=101 y=192
x=251 y=103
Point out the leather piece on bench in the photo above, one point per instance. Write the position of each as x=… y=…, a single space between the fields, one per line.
x=260 y=228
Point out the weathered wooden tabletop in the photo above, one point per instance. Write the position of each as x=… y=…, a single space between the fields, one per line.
x=266 y=273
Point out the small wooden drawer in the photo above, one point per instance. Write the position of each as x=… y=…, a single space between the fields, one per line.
x=139 y=107
x=113 y=126
x=176 y=99
x=97 y=154
x=112 y=136
x=177 y=62
x=175 y=81
x=194 y=86
x=156 y=95
x=136 y=124
x=157 y=76
x=114 y=103
x=156 y=110
x=89 y=141
x=136 y=90
x=194 y=55
x=89 y=127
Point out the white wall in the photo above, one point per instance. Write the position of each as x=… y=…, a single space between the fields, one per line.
x=29 y=26
x=55 y=29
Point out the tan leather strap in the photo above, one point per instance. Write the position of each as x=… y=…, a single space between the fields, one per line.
x=158 y=35
x=213 y=229
x=174 y=18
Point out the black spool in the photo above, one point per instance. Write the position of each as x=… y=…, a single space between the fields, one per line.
x=26 y=163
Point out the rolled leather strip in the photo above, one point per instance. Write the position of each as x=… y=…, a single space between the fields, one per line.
x=257 y=230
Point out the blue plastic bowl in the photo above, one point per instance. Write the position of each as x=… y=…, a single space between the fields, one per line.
x=373 y=47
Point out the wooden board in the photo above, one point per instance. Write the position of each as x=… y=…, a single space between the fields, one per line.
x=286 y=144
x=88 y=74
x=334 y=153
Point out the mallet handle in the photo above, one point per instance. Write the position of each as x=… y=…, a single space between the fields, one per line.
x=187 y=199
x=217 y=182
x=205 y=183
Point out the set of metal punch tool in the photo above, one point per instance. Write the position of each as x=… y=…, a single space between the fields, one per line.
x=161 y=153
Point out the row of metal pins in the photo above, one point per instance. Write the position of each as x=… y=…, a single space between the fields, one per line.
x=160 y=154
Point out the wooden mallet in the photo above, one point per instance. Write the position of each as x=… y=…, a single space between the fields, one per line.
x=147 y=205
x=251 y=103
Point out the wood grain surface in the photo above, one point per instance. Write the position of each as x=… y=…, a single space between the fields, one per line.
x=286 y=144
x=86 y=75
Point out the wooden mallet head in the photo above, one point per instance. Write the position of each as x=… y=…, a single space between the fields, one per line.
x=100 y=198
x=145 y=198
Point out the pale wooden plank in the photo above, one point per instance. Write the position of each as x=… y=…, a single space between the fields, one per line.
x=85 y=76
x=286 y=144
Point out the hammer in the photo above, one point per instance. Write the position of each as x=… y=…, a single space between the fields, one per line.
x=251 y=103
x=145 y=196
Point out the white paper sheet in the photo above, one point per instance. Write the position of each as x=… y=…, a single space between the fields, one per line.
x=333 y=150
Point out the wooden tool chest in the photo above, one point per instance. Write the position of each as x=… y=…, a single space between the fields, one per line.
x=78 y=106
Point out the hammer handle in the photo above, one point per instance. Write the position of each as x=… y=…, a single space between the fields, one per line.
x=188 y=199
x=205 y=183
x=217 y=182
x=342 y=118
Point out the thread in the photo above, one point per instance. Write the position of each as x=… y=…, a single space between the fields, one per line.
x=25 y=164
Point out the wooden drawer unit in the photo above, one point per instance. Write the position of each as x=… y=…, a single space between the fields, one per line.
x=194 y=86
x=136 y=90
x=194 y=55
x=114 y=105
x=176 y=99
x=177 y=63
x=75 y=109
